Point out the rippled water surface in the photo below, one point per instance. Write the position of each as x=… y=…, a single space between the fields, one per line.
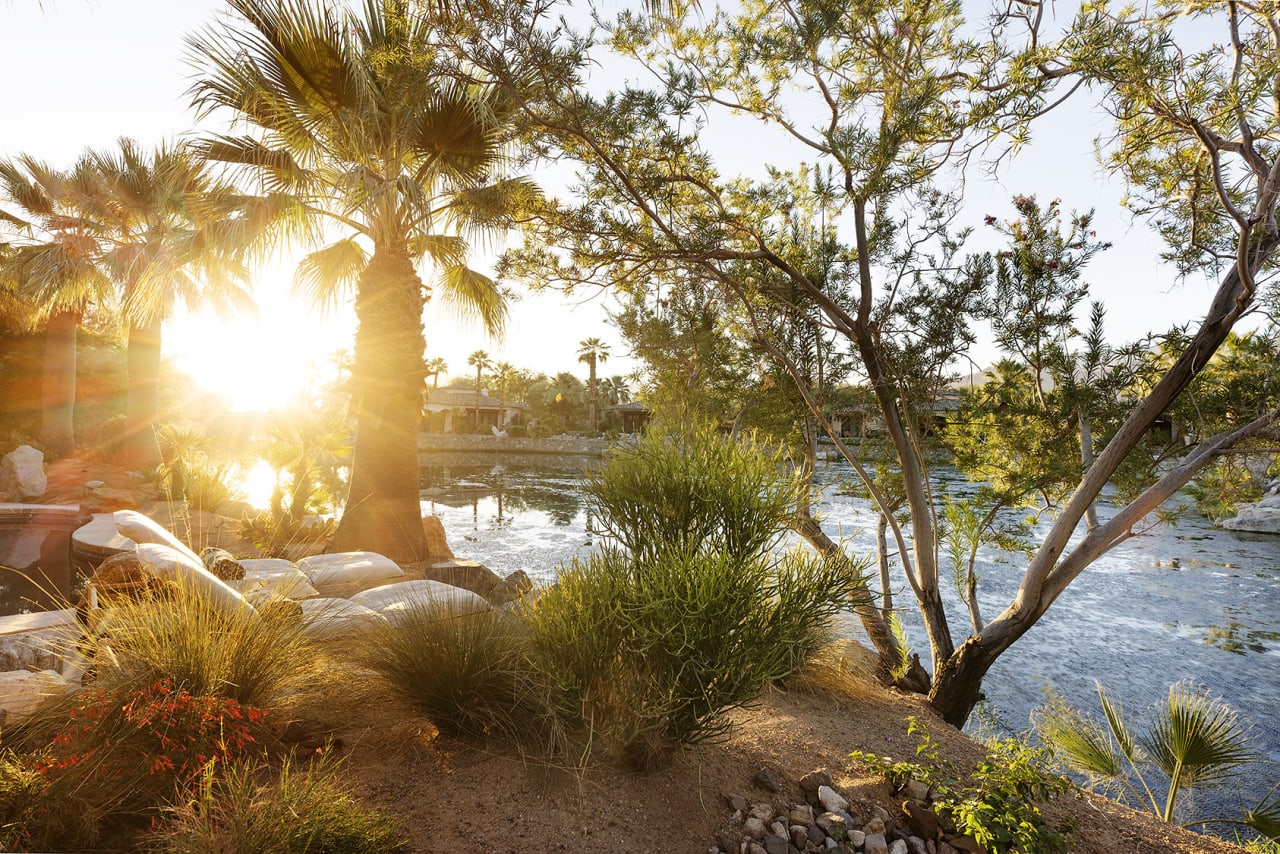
x=1187 y=601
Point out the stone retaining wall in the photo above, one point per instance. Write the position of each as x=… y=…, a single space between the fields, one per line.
x=430 y=442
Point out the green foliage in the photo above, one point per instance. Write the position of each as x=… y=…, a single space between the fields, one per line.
x=1221 y=487
x=653 y=643
x=1192 y=739
x=995 y=804
x=693 y=492
x=292 y=810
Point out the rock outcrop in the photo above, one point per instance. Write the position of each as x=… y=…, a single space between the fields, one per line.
x=1260 y=518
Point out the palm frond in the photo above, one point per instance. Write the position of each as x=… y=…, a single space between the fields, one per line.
x=446 y=249
x=1118 y=723
x=495 y=205
x=1265 y=817
x=1197 y=737
x=276 y=166
x=323 y=277
x=476 y=296
x=1082 y=744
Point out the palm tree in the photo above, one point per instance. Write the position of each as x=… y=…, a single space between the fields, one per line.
x=593 y=351
x=479 y=360
x=615 y=390
x=1192 y=740
x=504 y=373
x=51 y=267
x=435 y=367
x=168 y=234
x=355 y=114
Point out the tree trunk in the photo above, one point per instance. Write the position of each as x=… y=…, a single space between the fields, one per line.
x=57 y=429
x=957 y=684
x=141 y=452
x=594 y=420
x=382 y=512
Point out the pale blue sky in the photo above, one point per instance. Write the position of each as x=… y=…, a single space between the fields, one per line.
x=81 y=73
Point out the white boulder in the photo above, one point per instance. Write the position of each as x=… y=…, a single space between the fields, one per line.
x=344 y=573
x=22 y=473
x=22 y=692
x=1260 y=518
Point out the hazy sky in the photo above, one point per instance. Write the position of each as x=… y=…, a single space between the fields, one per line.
x=81 y=73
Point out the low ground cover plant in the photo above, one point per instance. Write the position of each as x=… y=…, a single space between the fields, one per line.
x=995 y=804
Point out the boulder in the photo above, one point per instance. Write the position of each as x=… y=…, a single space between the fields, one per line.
x=221 y=564
x=343 y=573
x=1260 y=518
x=468 y=574
x=511 y=588
x=22 y=692
x=437 y=547
x=22 y=474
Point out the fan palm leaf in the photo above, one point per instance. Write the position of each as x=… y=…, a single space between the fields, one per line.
x=1197 y=740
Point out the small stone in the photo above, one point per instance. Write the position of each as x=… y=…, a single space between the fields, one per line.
x=881 y=813
x=764 y=812
x=756 y=848
x=831 y=844
x=817 y=834
x=875 y=826
x=898 y=847
x=799 y=835
x=833 y=824
x=857 y=838
x=965 y=843
x=754 y=827
x=768 y=779
x=916 y=791
x=832 y=800
x=802 y=814
x=921 y=820
x=944 y=848
x=916 y=845
x=811 y=782
x=875 y=844
x=779 y=829
x=737 y=803
x=774 y=844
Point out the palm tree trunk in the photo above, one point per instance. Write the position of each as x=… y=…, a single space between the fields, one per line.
x=57 y=429
x=141 y=452
x=594 y=425
x=382 y=512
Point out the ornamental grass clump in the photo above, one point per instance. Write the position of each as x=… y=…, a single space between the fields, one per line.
x=467 y=672
x=289 y=810
x=691 y=611
x=208 y=647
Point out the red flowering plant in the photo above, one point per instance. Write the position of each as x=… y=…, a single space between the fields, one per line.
x=140 y=746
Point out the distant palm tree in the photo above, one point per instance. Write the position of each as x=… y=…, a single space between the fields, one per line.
x=51 y=268
x=355 y=113
x=615 y=390
x=436 y=367
x=593 y=351
x=479 y=360
x=504 y=373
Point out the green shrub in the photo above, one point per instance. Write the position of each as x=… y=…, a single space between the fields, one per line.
x=698 y=491
x=690 y=613
x=1191 y=740
x=996 y=805
x=1221 y=487
x=248 y=807
x=38 y=813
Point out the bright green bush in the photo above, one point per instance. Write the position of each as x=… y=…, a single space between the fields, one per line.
x=248 y=807
x=692 y=612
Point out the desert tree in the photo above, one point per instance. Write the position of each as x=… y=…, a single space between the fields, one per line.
x=893 y=95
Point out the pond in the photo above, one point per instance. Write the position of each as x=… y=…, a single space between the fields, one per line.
x=1187 y=601
x=35 y=556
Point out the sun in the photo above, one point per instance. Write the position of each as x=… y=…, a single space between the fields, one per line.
x=257 y=362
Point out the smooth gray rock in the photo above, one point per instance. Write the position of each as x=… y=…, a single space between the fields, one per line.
x=1255 y=518
x=22 y=473
x=832 y=800
x=875 y=844
x=898 y=847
